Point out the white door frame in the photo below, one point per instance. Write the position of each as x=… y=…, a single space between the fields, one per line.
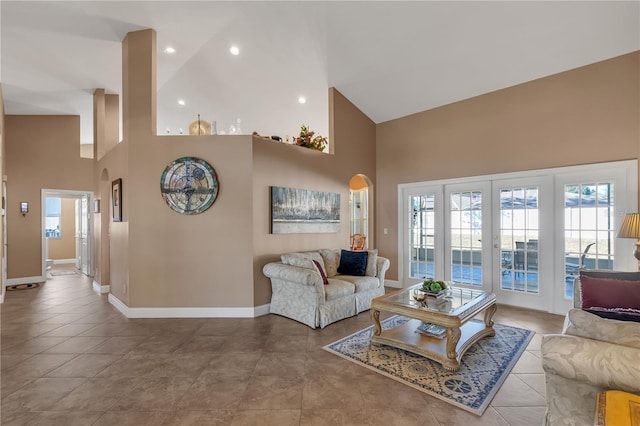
x=3 y=279
x=65 y=193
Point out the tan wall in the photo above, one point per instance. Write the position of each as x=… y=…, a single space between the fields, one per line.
x=276 y=164
x=41 y=152
x=86 y=150
x=587 y=115
x=2 y=173
x=65 y=246
x=213 y=259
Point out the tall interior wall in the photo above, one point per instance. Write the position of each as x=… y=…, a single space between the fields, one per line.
x=41 y=152
x=277 y=164
x=586 y=115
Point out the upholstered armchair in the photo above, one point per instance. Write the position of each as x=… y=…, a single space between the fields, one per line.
x=591 y=355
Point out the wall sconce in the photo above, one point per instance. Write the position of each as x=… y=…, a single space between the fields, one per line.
x=96 y=206
x=24 y=208
x=631 y=229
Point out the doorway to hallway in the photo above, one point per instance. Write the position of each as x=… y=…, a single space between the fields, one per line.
x=79 y=230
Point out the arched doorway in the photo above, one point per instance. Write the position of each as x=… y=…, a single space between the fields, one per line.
x=360 y=212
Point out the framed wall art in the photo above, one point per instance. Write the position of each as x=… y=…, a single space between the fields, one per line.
x=301 y=211
x=116 y=200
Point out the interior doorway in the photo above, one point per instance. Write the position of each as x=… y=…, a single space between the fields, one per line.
x=78 y=229
x=360 y=206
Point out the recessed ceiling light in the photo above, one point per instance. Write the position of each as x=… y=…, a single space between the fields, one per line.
x=169 y=50
x=302 y=100
x=234 y=50
x=181 y=102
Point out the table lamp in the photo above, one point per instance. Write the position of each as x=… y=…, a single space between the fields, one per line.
x=631 y=229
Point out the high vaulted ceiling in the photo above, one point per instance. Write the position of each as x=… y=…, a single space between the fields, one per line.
x=391 y=59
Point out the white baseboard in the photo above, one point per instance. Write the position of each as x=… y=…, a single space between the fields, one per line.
x=25 y=280
x=63 y=261
x=187 y=312
x=392 y=283
x=2 y=297
x=101 y=288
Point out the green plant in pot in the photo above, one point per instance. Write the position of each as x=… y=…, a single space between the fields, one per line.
x=308 y=140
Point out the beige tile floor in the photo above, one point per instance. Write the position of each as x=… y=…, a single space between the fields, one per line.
x=69 y=358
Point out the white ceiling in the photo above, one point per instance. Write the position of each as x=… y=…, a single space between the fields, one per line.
x=390 y=59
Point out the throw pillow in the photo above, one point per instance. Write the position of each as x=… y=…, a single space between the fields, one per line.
x=620 y=314
x=609 y=293
x=321 y=272
x=353 y=263
x=606 y=273
x=331 y=259
x=303 y=260
x=584 y=324
x=372 y=263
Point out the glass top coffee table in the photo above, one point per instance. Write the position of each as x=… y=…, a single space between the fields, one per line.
x=439 y=328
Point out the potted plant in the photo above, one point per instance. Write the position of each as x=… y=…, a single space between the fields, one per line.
x=308 y=140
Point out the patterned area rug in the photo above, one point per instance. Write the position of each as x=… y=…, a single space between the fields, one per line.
x=485 y=365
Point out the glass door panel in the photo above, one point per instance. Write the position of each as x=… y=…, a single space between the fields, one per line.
x=523 y=248
x=466 y=237
x=422 y=236
x=519 y=232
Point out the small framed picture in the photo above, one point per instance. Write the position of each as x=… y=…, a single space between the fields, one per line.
x=116 y=199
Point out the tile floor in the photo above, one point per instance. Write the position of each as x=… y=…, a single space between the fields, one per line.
x=69 y=358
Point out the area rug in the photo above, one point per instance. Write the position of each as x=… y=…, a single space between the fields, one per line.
x=16 y=287
x=484 y=367
x=63 y=272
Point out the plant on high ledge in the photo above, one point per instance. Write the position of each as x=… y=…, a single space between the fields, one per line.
x=307 y=139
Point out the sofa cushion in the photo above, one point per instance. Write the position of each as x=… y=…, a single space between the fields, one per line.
x=372 y=263
x=361 y=283
x=303 y=260
x=610 y=293
x=590 y=326
x=331 y=259
x=353 y=263
x=337 y=289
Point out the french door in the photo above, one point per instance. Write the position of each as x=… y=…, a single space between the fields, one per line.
x=522 y=255
x=467 y=219
x=522 y=236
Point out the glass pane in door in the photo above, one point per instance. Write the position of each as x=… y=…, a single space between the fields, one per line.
x=519 y=228
x=466 y=237
x=588 y=229
x=421 y=232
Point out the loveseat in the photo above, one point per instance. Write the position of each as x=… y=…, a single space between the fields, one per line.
x=321 y=287
x=592 y=354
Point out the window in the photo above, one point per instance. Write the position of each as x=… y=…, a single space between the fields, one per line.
x=53 y=209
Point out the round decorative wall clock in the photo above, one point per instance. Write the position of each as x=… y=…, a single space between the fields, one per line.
x=189 y=185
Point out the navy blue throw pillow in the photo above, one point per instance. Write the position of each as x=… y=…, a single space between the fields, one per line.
x=353 y=263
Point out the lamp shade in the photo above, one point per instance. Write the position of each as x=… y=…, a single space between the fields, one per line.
x=630 y=226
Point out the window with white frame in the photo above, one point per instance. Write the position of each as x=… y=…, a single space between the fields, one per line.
x=53 y=213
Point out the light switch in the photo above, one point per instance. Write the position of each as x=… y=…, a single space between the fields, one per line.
x=386 y=231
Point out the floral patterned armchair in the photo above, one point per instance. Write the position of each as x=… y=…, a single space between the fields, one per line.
x=591 y=355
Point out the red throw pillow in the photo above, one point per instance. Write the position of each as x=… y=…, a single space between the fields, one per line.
x=609 y=293
x=322 y=274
